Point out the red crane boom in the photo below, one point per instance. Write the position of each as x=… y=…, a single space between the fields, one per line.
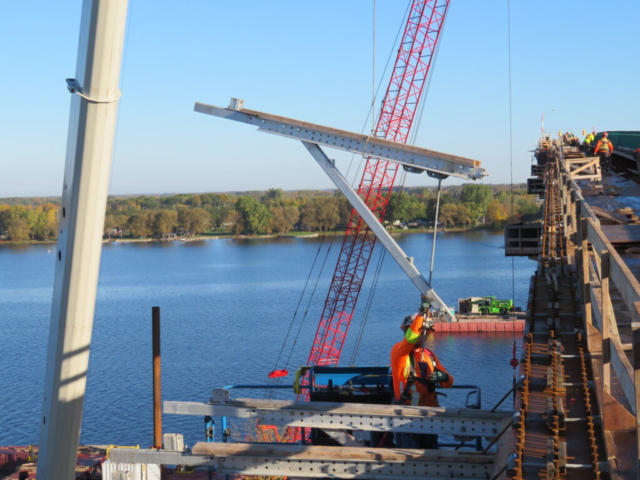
x=399 y=106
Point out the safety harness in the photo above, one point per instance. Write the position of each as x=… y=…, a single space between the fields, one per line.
x=422 y=377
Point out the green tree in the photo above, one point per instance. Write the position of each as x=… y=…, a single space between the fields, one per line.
x=496 y=214
x=283 y=219
x=165 y=221
x=18 y=229
x=115 y=223
x=52 y=220
x=448 y=214
x=400 y=207
x=320 y=213
x=140 y=225
x=476 y=197
x=194 y=201
x=526 y=205
x=430 y=206
x=273 y=194
x=110 y=226
x=194 y=220
x=253 y=216
x=17 y=221
x=148 y=203
x=462 y=216
x=344 y=210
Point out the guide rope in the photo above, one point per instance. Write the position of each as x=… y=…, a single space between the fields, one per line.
x=514 y=360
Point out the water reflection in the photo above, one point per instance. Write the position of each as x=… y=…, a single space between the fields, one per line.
x=226 y=306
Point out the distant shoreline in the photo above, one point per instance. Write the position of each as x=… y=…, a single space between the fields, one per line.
x=246 y=237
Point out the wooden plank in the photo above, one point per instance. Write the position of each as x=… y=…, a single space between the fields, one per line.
x=595 y=176
x=608 y=215
x=585 y=209
x=636 y=376
x=619 y=361
x=586 y=260
x=607 y=318
x=294 y=451
x=573 y=161
x=622 y=278
x=595 y=307
x=621 y=233
x=624 y=371
x=583 y=167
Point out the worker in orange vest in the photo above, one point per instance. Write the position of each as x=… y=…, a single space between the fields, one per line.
x=604 y=149
x=416 y=372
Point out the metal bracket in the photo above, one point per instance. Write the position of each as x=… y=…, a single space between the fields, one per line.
x=220 y=396
x=436 y=175
x=74 y=87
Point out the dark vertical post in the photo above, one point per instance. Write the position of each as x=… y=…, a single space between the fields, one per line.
x=157 y=386
x=605 y=305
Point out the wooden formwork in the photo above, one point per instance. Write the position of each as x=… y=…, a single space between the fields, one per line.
x=587 y=168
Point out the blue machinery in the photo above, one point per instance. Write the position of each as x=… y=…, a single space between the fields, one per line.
x=360 y=385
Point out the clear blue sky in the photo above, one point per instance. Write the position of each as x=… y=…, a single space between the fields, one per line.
x=577 y=60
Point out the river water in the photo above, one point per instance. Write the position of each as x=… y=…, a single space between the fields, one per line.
x=226 y=308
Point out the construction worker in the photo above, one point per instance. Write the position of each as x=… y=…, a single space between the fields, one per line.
x=588 y=140
x=604 y=149
x=416 y=372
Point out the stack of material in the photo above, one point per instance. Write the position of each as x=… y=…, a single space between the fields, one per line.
x=16 y=460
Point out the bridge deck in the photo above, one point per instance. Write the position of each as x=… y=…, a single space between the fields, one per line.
x=579 y=397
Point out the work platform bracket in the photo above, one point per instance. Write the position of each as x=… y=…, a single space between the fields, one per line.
x=407 y=155
x=352 y=416
x=320 y=462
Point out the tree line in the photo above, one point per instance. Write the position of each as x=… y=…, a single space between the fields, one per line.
x=272 y=212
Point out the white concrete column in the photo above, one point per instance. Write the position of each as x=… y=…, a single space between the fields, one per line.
x=92 y=126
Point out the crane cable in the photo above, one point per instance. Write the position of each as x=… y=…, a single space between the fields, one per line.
x=276 y=380
x=304 y=289
x=514 y=361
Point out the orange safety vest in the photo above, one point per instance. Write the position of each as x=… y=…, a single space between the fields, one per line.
x=604 y=145
x=411 y=366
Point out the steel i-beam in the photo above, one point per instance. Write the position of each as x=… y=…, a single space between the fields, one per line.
x=378 y=229
x=376 y=418
x=414 y=157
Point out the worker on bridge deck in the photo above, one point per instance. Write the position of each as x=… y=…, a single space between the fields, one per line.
x=604 y=149
x=416 y=372
x=588 y=140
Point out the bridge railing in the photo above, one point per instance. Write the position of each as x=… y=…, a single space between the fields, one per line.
x=599 y=266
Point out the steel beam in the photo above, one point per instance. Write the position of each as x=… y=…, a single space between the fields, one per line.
x=352 y=416
x=407 y=155
x=405 y=262
x=320 y=462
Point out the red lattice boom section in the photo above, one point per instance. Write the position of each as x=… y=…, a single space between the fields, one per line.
x=399 y=106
